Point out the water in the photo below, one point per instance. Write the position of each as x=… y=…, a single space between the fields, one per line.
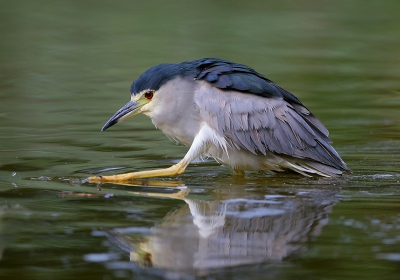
x=66 y=67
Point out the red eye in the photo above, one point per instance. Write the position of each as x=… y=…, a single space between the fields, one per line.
x=149 y=94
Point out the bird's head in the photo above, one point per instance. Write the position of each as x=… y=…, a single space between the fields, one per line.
x=146 y=93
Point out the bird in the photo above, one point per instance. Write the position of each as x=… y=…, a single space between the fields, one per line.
x=231 y=113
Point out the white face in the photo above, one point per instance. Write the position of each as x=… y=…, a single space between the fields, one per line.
x=144 y=100
x=155 y=104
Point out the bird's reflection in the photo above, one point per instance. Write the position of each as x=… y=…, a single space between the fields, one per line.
x=232 y=230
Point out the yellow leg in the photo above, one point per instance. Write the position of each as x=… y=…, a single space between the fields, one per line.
x=174 y=170
x=198 y=147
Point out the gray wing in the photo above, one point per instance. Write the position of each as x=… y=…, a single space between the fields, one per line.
x=259 y=124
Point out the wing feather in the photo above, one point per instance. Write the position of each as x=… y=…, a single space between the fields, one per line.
x=259 y=124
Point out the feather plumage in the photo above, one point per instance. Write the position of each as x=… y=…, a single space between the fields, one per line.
x=261 y=117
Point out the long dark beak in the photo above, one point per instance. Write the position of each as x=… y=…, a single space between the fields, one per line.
x=130 y=109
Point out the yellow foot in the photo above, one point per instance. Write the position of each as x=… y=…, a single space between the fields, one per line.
x=174 y=170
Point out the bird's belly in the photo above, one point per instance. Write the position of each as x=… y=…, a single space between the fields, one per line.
x=241 y=160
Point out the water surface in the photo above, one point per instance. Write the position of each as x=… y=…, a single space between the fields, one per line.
x=66 y=67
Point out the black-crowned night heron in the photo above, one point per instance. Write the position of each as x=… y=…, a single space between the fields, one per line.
x=231 y=113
